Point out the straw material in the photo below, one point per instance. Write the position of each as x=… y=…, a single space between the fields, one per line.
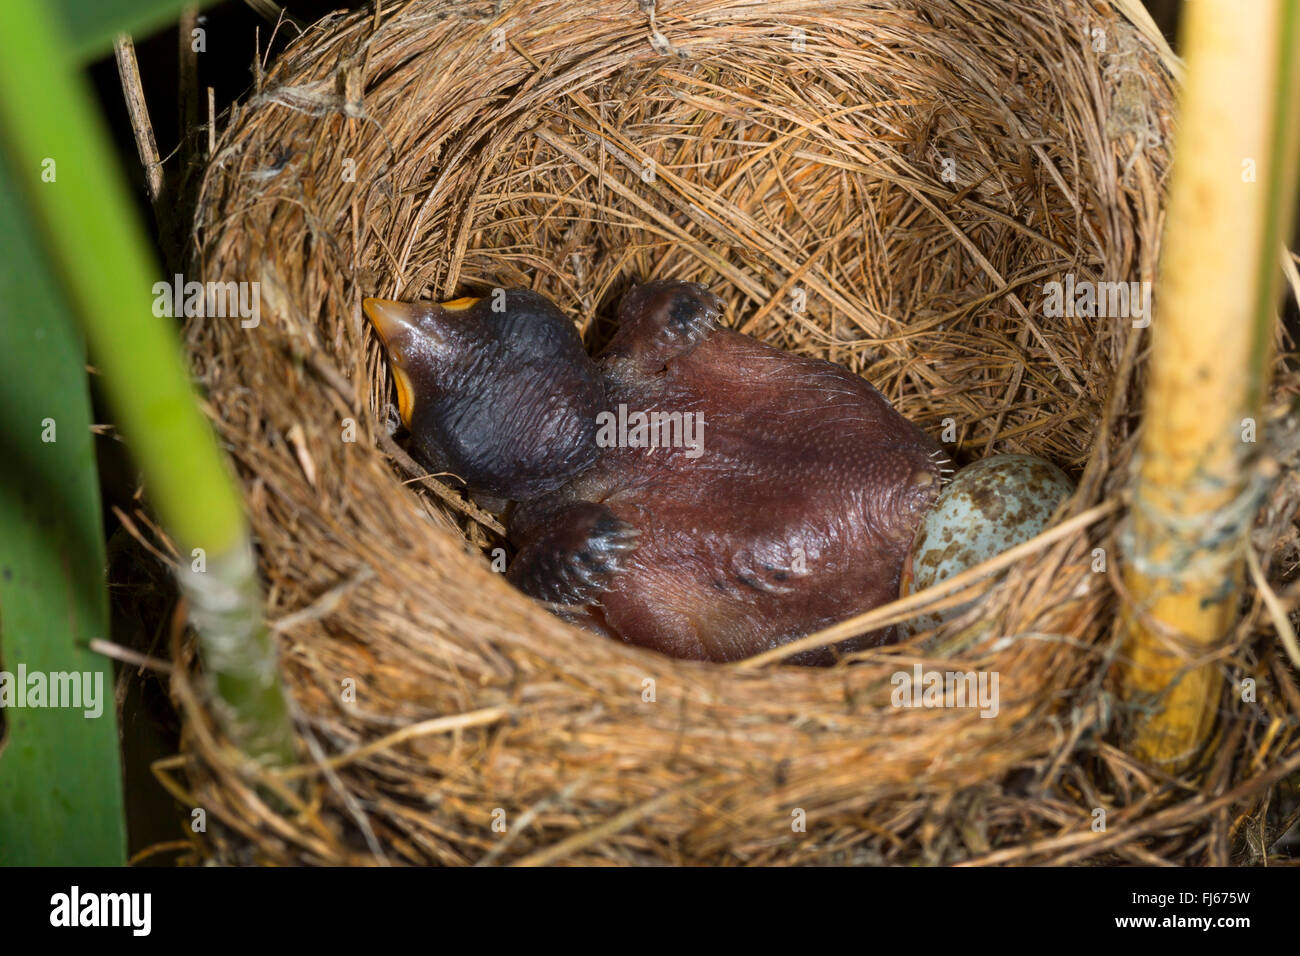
x=885 y=184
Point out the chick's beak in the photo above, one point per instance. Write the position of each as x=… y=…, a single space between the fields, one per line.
x=391 y=319
x=394 y=321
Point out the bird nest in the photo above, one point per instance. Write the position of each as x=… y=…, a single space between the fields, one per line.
x=888 y=185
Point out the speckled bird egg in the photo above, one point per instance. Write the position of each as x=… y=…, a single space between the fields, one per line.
x=989 y=507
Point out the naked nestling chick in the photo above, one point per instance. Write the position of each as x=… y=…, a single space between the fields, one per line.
x=792 y=508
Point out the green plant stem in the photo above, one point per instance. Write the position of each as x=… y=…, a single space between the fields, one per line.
x=93 y=236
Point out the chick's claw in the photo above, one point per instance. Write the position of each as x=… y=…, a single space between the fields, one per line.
x=609 y=543
x=574 y=556
x=613 y=536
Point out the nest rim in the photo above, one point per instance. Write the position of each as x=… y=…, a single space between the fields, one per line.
x=449 y=222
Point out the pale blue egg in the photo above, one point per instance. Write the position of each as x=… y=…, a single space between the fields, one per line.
x=989 y=507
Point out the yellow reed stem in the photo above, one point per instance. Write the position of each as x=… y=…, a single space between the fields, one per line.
x=1231 y=197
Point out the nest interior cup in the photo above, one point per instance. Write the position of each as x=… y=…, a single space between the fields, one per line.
x=888 y=185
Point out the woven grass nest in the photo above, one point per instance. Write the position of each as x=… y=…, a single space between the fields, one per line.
x=884 y=184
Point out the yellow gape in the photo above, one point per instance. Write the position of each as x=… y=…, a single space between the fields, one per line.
x=405 y=396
